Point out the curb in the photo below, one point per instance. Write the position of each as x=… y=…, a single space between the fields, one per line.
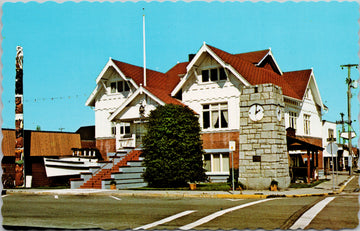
x=180 y=195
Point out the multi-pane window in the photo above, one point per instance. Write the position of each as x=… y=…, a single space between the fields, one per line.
x=125 y=129
x=215 y=115
x=214 y=74
x=292 y=119
x=307 y=124
x=119 y=86
x=216 y=162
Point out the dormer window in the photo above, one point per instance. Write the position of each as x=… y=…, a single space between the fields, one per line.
x=119 y=86
x=213 y=75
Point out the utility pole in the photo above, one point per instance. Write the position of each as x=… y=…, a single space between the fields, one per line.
x=349 y=82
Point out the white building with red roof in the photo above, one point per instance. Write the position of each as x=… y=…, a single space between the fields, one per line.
x=211 y=84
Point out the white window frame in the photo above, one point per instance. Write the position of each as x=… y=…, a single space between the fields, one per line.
x=222 y=156
x=116 y=89
x=125 y=129
x=213 y=109
x=292 y=119
x=113 y=129
x=218 y=75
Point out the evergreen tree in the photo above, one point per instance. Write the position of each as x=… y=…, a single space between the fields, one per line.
x=172 y=147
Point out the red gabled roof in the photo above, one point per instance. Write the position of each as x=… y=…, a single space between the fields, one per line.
x=164 y=96
x=258 y=75
x=254 y=57
x=153 y=78
x=175 y=74
x=157 y=83
x=298 y=80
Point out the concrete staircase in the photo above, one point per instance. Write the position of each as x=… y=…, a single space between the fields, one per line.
x=125 y=168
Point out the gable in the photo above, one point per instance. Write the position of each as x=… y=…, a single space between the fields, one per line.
x=130 y=108
x=269 y=63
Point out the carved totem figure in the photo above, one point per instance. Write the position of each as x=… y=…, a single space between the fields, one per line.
x=19 y=119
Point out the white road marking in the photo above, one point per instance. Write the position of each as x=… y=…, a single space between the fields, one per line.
x=234 y=199
x=220 y=213
x=309 y=215
x=115 y=198
x=165 y=220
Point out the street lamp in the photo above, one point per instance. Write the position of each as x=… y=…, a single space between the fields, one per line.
x=142 y=114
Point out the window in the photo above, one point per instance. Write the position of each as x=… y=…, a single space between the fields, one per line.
x=307 y=124
x=113 y=129
x=125 y=129
x=217 y=162
x=292 y=119
x=119 y=86
x=214 y=74
x=330 y=133
x=215 y=115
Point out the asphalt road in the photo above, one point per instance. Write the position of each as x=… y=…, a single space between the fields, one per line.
x=111 y=212
x=106 y=212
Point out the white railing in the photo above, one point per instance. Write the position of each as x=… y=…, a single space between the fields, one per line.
x=127 y=142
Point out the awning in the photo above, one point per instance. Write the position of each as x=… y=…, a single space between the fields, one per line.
x=220 y=150
x=297 y=143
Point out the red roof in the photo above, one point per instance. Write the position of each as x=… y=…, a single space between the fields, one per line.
x=254 y=57
x=159 y=84
x=164 y=96
x=259 y=75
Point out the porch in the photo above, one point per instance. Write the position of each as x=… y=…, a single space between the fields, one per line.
x=303 y=158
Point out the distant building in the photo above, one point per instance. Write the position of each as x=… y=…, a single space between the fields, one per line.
x=217 y=85
x=40 y=146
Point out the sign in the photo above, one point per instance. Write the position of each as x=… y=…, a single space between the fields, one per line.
x=332 y=148
x=350 y=161
x=256 y=158
x=232 y=146
x=345 y=135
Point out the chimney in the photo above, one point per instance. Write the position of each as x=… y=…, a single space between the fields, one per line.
x=191 y=56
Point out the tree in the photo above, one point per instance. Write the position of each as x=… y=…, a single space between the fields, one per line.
x=172 y=147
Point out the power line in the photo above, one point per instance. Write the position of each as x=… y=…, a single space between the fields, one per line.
x=48 y=99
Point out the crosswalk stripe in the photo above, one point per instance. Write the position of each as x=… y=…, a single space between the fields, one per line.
x=309 y=215
x=115 y=198
x=165 y=220
x=220 y=213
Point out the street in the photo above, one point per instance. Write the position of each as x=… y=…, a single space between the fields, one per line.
x=115 y=212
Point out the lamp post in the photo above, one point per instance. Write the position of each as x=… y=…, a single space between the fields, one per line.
x=142 y=114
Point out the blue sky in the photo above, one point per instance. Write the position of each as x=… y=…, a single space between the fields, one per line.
x=67 y=45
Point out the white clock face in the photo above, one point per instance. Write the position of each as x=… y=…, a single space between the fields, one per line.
x=256 y=112
x=278 y=113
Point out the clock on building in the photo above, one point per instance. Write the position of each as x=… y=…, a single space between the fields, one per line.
x=256 y=112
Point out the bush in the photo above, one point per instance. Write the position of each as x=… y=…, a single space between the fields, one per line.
x=172 y=147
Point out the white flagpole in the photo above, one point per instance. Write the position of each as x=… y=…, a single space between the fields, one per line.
x=144 y=48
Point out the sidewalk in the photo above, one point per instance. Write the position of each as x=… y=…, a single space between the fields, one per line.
x=323 y=189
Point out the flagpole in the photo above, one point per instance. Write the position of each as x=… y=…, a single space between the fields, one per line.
x=144 y=54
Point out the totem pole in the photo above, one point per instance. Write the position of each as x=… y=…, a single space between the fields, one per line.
x=19 y=120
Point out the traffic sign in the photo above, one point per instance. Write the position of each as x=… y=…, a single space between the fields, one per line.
x=232 y=146
x=332 y=148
